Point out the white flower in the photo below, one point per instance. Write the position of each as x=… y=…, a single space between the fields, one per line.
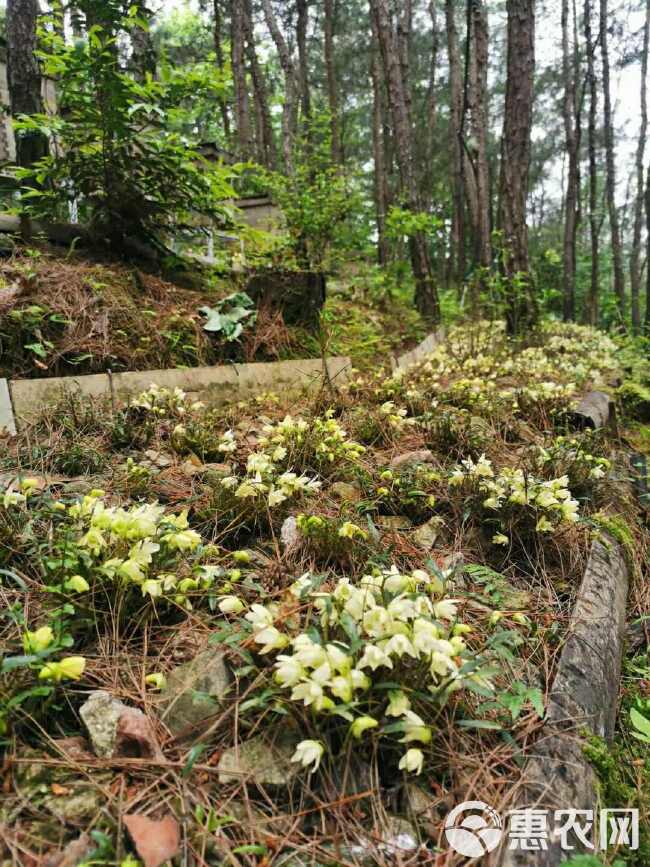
x=373 y=657
x=398 y=703
x=415 y=729
x=259 y=616
x=308 y=692
x=309 y=752
x=231 y=605
x=412 y=761
x=500 y=539
x=271 y=638
x=399 y=645
x=445 y=609
x=288 y=670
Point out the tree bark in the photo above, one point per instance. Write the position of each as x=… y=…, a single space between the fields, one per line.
x=332 y=87
x=478 y=127
x=571 y=118
x=218 y=51
x=302 y=8
x=457 y=240
x=647 y=261
x=144 y=52
x=635 y=255
x=594 y=227
x=286 y=62
x=24 y=82
x=242 y=111
x=380 y=175
x=426 y=296
x=265 y=140
x=515 y=162
x=431 y=109
x=610 y=174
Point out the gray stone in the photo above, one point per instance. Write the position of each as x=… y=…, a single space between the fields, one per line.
x=349 y=491
x=100 y=713
x=410 y=459
x=7 y=423
x=77 y=806
x=426 y=535
x=594 y=411
x=393 y=523
x=159 y=459
x=194 y=691
x=289 y=532
x=265 y=761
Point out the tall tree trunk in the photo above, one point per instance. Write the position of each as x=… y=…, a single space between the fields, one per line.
x=286 y=62
x=242 y=112
x=266 y=143
x=647 y=261
x=332 y=87
x=457 y=240
x=426 y=296
x=24 y=81
x=302 y=7
x=515 y=163
x=478 y=127
x=380 y=175
x=610 y=175
x=218 y=51
x=570 y=113
x=431 y=108
x=635 y=255
x=404 y=34
x=144 y=52
x=591 y=312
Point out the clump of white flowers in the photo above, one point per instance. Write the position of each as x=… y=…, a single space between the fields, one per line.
x=163 y=402
x=550 y=502
x=265 y=484
x=351 y=640
x=319 y=443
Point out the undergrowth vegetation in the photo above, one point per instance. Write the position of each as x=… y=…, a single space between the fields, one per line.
x=385 y=572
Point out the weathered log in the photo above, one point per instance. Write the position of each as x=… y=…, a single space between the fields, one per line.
x=583 y=697
x=594 y=411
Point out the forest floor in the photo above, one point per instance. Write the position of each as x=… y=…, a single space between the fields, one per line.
x=68 y=314
x=317 y=622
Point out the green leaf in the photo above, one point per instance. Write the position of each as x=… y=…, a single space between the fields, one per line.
x=641 y=724
x=479 y=724
x=192 y=757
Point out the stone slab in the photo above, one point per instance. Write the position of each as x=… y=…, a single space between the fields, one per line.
x=424 y=348
x=214 y=385
x=7 y=423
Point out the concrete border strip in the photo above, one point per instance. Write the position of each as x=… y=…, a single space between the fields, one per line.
x=583 y=696
x=7 y=422
x=214 y=385
x=423 y=348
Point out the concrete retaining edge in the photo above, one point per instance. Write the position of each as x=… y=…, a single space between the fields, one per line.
x=423 y=348
x=583 y=698
x=214 y=385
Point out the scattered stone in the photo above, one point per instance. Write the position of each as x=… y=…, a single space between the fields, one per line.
x=156 y=841
x=100 y=713
x=194 y=691
x=289 y=533
x=427 y=534
x=189 y=468
x=346 y=491
x=398 y=836
x=409 y=459
x=159 y=459
x=116 y=729
x=418 y=806
x=82 y=803
x=75 y=748
x=74 y=853
x=213 y=473
x=262 y=761
x=393 y=523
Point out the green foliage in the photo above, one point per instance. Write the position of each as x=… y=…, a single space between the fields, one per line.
x=116 y=145
x=227 y=317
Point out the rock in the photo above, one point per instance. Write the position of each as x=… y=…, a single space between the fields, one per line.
x=188 y=468
x=388 y=845
x=594 y=411
x=194 y=691
x=118 y=730
x=74 y=853
x=79 y=805
x=100 y=713
x=289 y=532
x=81 y=485
x=262 y=761
x=393 y=523
x=346 y=491
x=418 y=806
x=426 y=535
x=159 y=459
x=398 y=836
x=156 y=841
x=409 y=459
x=213 y=473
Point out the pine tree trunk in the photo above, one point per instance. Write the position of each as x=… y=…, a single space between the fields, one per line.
x=380 y=175
x=647 y=265
x=591 y=312
x=635 y=255
x=332 y=87
x=144 y=52
x=426 y=296
x=24 y=81
x=430 y=139
x=303 y=60
x=515 y=161
x=478 y=126
x=457 y=240
x=286 y=62
x=570 y=113
x=265 y=141
x=610 y=175
x=218 y=51
x=242 y=112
